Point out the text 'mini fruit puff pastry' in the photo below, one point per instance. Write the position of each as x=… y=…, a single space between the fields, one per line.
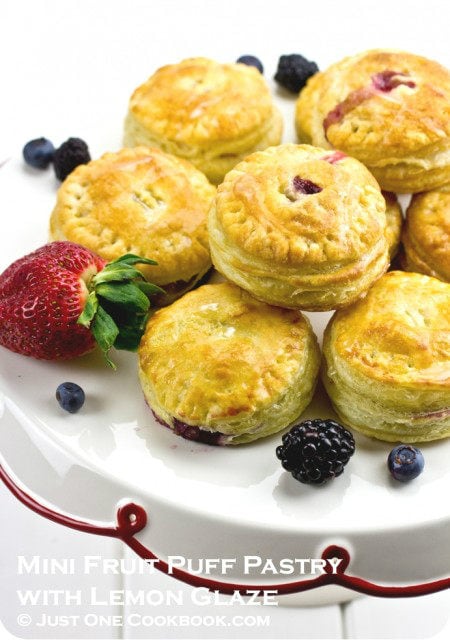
x=209 y=113
x=387 y=359
x=426 y=235
x=300 y=227
x=140 y=201
x=389 y=109
x=220 y=367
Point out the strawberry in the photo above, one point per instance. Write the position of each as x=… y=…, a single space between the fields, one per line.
x=57 y=302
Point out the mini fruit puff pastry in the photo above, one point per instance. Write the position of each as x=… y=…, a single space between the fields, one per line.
x=389 y=109
x=140 y=201
x=209 y=113
x=300 y=227
x=387 y=360
x=220 y=367
x=426 y=237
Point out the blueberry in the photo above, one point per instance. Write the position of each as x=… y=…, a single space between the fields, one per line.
x=70 y=396
x=405 y=462
x=38 y=153
x=251 y=61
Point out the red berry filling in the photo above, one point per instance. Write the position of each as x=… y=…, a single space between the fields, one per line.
x=354 y=99
x=382 y=82
x=300 y=187
x=387 y=80
x=305 y=186
x=333 y=158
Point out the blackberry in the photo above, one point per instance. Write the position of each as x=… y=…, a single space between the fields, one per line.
x=293 y=71
x=316 y=450
x=251 y=61
x=69 y=155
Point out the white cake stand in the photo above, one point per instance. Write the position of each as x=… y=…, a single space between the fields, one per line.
x=199 y=502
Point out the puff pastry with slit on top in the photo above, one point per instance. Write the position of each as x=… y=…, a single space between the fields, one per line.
x=387 y=360
x=220 y=367
x=426 y=236
x=212 y=114
x=140 y=201
x=300 y=227
x=388 y=108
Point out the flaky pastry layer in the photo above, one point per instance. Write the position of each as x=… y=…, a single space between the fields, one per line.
x=314 y=251
x=140 y=201
x=209 y=113
x=426 y=236
x=386 y=363
x=394 y=222
x=390 y=109
x=220 y=360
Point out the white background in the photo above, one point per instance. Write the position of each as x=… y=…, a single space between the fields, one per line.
x=59 y=61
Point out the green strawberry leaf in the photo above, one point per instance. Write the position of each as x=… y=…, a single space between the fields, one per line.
x=116 y=309
x=89 y=311
x=130 y=258
x=148 y=288
x=105 y=332
x=116 y=273
x=127 y=294
x=131 y=332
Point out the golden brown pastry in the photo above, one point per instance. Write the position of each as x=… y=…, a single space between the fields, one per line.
x=300 y=227
x=220 y=367
x=426 y=237
x=140 y=201
x=209 y=113
x=394 y=222
x=389 y=109
x=387 y=360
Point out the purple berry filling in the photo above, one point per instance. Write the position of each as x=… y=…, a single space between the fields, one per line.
x=299 y=187
x=384 y=82
x=190 y=432
x=305 y=186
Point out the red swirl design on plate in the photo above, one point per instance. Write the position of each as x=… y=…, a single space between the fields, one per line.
x=132 y=518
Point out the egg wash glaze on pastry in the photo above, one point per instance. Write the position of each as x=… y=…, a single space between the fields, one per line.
x=426 y=236
x=390 y=109
x=140 y=201
x=219 y=362
x=209 y=113
x=299 y=227
x=387 y=360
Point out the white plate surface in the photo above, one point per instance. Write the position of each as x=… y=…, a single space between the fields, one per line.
x=115 y=433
